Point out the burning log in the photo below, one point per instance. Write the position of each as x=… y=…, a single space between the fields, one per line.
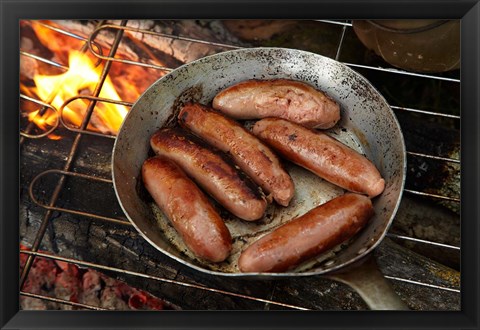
x=183 y=50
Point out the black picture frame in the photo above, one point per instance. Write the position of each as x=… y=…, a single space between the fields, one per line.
x=12 y=11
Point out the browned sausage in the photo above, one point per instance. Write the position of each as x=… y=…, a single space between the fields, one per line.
x=307 y=236
x=321 y=154
x=188 y=209
x=250 y=154
x=288 y=99
x=211 y=171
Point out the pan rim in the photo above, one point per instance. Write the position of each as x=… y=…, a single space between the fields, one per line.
x=264 y=275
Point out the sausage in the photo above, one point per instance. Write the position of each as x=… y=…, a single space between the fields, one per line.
x=212 y=172
x=188 y=209
x=322 y=155
x=307 y=236
x=248 y=152
x=282 y=98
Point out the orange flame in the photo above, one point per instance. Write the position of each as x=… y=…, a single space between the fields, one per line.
x=82 y=76
x=81 y=79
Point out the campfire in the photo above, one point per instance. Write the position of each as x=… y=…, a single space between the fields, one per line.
x=61 y=64
x=58 y=92
x=65 y=91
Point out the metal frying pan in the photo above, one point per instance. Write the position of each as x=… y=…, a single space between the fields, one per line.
x=367 y=124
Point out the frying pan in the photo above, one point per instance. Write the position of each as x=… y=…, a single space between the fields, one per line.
x=367 y=124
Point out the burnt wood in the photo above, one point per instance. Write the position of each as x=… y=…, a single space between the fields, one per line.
x=122 y=247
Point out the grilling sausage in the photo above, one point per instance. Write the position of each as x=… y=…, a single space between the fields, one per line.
x=187 y=208
x=307 y=236
x=211 y=171
x=250 y=154
x=288 y=99
x=321 y=154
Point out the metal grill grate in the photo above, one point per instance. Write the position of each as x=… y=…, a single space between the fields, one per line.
x=67 y=171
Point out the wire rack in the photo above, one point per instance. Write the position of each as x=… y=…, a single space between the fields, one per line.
x=66 y=171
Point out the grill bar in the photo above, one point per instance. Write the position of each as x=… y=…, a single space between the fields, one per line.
x=62 y=31
x=93 y=99
x=445 y=159
x=407 y=238
x=223 y=45
x=430 y=113
x=333 y=22
x=422 y=284
x=339 y=48
x=54 y=93
x=126 y=223
x=196 y=286
x=396 y=71
x=61 y=182
x=62 y=301
x=420 y=193
x=70 y=34
x=60 y=209
x=44 y=60
x=158 y=34
x=164 y=35
x=45 y=106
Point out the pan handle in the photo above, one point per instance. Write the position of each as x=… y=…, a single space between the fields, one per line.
x=371 y=285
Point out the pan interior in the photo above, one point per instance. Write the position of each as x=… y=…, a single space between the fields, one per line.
x=367 y=125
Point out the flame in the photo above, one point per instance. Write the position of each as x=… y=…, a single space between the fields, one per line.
x=82 y=76
x=81 y=79
x=42 y=121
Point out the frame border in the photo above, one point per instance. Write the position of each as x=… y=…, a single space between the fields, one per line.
x=12 y=11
